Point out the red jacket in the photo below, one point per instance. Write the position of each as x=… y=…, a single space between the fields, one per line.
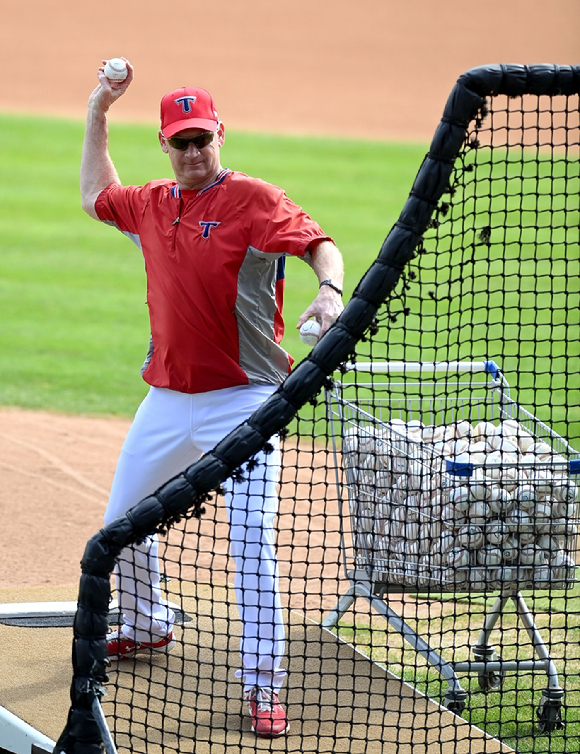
x=215 y=276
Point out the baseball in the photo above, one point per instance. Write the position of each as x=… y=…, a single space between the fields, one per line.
x=432 y=434
x=479 y=579
x=540 y=449
x=562 y=510
x=470 y=536
x=559 y=526
x=542 y=515
x=510 y=549
x=451 y=517
x=507 y=574
x=310 y=332
x=446 y=542
x=479 y=512
x=532 y=555
x=504 y=444
x=526 y=496
x=563 y=566
x=549 y=543
x=509 y=428
x=116 y=69
x=565 y=490
x=480 y=491
x=463 y=429
x=489 y=556
x=542 y=479
x=457 y=557
x=496 y=532
x=483 y=430
x=525 y=441
x=459 y=498
x=457 y=446
x=518 y=522
x=500 y=501
x=411 y=531
x=542 y=573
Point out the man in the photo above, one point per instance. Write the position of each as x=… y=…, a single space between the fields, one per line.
x=214 y=243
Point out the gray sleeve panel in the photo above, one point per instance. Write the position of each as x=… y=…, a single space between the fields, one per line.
x=149 y=355
x=135 y=237
x=260 y=357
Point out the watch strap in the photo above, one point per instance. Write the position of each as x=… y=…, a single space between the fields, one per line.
x=331 y=284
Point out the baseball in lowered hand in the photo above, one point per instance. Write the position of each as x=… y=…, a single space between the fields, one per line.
x=310 y=332
x=116 y=69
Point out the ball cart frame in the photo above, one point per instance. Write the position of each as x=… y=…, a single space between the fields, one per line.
x=435 y=393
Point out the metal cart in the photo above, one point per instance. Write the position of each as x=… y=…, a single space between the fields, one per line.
x=447 y=485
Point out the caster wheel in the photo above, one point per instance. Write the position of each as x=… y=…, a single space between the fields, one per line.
x=549 y=715
x=491 y=680
x=455 y=701
x=456 y=707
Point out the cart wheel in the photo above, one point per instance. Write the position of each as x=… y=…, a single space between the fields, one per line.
x=489 y=680
x=456 y=707
x=455 y=701
x=549 y=715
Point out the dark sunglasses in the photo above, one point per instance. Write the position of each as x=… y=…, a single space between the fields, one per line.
x=199 y=142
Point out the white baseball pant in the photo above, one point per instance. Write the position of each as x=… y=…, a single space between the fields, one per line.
x=171 y=431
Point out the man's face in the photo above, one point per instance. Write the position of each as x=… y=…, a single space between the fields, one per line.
x=195 y=167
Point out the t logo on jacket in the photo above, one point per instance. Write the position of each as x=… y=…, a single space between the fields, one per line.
x=207 y=226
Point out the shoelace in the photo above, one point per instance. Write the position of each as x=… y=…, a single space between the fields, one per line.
x=264 y=699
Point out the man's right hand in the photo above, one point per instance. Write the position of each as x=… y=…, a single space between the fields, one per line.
x=107 y=92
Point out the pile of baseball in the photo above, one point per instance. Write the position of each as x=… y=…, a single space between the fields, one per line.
x=511 y=520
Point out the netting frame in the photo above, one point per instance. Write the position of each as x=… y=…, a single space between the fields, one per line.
x=186 y=493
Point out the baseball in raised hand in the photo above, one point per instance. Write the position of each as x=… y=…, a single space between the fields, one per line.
x=116 y=69
x=110 y=89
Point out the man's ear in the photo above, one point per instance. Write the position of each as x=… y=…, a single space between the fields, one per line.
x=221 y=132
x=163 y=142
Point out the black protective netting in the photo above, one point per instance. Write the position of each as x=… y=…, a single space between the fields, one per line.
x=495 y=284
x=427 y=508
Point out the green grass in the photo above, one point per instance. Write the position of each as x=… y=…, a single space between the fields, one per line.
x=510 y=713
x=72 y=291
x=514 y=298
x=74 y=325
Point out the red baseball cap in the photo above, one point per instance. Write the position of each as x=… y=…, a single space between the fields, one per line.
x=187 y=107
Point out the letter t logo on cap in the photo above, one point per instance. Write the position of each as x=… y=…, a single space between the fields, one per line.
x=186 y=103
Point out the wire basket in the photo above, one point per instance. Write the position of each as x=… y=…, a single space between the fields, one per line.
x=450 y=485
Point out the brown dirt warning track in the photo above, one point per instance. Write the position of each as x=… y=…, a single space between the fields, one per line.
x=370 y=69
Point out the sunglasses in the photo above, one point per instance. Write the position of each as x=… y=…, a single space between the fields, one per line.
x=199 y=142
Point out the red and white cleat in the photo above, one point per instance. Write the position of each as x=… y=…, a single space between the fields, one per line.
x=119 y=647
x=269 y=719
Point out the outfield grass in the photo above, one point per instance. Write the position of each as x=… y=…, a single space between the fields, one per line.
x=72 y=291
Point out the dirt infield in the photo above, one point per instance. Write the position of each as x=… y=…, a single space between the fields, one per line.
x=379 y=68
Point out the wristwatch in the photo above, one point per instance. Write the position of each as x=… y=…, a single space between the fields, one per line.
x=331 y=284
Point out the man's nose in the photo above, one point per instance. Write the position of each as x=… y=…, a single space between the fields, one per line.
x=192 y=150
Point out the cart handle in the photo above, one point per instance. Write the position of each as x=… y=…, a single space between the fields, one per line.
x=385 y=367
